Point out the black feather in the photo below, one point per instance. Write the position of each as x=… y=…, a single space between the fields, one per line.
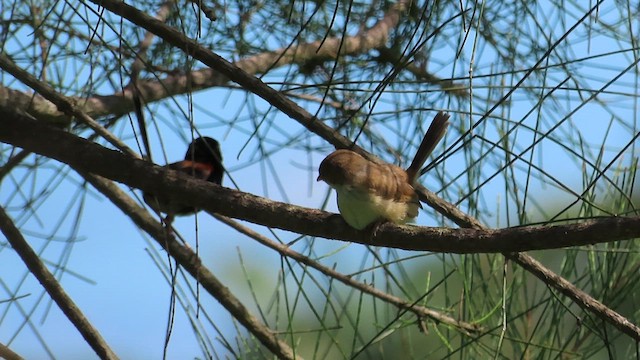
x=203 y=160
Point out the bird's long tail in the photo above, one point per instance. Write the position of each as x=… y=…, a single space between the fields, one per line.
x=434 y=134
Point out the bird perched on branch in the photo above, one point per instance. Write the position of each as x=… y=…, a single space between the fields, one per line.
x=203 y=160
x=369 y=192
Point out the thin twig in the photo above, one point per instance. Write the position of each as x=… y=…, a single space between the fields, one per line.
x=137 y=66
x=420 y=311
x=63 y=104
x=55 y=290
x=13 y=161
x=540 y=271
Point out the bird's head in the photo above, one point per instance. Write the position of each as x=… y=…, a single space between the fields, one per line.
x=337 y=167
x=204 y=149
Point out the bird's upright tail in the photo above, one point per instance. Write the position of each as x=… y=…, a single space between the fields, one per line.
x=434 y=134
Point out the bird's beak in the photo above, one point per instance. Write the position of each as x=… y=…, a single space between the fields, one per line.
x=319 y=178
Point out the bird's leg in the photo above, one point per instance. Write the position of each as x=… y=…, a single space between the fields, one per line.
x=374 y=226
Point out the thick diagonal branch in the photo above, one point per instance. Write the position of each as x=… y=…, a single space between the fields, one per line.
x=190 y=261
x=53 y=288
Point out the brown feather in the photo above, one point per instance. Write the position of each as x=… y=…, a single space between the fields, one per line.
x=431 y=138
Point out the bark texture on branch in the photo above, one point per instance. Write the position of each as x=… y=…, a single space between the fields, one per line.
x=93 y=158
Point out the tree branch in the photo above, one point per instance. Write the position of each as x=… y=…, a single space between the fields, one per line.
x=90 y=157
x=8 y=354
x=22 y=131
x=191 y=262
x=61 y=102
x=55 y=290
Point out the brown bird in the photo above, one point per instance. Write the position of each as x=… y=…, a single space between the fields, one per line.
x=203 y=160
x=369 y=192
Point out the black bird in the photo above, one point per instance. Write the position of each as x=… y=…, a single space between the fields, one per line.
x=203 y=160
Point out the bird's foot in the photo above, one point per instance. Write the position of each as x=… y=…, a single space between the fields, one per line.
x=374 y=226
